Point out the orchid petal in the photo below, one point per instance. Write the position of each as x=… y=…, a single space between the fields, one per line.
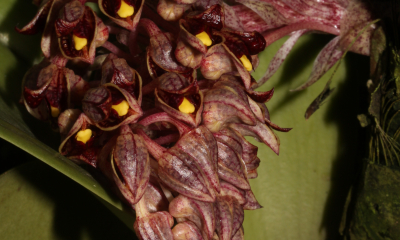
x=271 y=17
x=328 y=56
x=280 y=56
x=356 y=17
x=190 y=167
x=231 y=20
x=230 y=217
x=261 y=132
x=38 y=22
x=225 y=104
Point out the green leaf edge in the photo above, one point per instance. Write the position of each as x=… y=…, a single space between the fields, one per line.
x=43 y=152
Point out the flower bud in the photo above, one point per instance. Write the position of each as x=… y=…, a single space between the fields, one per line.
x=200 y=213
x=131 y=165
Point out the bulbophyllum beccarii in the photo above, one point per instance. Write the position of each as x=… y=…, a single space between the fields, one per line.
x=161 y=110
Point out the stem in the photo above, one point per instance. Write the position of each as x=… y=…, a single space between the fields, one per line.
x=149 y=88
x=59 y=60
x=273 y=36
x=167 y=139
x=155 y=150
x=150 y=27
x=164 y=117
x=141 y=209
x=116 y=30
x=117 y=51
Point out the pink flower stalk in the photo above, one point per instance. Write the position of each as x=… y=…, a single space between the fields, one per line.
x=275 y=19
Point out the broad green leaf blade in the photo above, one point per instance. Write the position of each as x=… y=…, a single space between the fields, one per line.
x=37 y=202
x=303 y=190
x=22 y=130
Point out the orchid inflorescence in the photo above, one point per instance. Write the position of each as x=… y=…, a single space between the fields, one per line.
x=158 y=97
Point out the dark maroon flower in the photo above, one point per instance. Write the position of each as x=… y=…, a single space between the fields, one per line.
x=232 y=55
x=125 y=13
x=179 y=96
x=109 y=107
x=82 y=141
x=196 y=35
x=117 y=71
x=79 y=31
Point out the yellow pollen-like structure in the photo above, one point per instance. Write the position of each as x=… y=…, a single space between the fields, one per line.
x=203 y=36
x=186 y=106
x=79 y=42
x=84 y=135
x=121 y=108
x=125 y=10
x=246 y=63
x=54 y=111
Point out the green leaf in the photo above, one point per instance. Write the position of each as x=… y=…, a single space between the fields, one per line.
x=40 y=203
x=303 y=190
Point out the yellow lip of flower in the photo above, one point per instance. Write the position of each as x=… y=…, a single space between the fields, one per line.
x=79 y=42
x=121 y=108
x=55 y=112
x=84 y=135
x=246 y=63
x=186 y=106
x=203 y=36
x=125 y=10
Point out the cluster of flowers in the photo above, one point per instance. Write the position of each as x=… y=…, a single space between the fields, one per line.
x=162 y=115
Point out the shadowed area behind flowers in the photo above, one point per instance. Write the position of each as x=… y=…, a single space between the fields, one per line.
x=352 y=139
